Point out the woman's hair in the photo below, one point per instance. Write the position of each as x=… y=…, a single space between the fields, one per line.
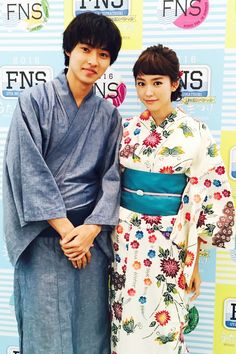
x=96 y=30
x=159 y=60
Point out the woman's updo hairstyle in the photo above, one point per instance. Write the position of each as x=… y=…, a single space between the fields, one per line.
x=159 y=60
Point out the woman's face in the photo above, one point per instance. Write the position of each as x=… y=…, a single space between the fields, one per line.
x=154 y=91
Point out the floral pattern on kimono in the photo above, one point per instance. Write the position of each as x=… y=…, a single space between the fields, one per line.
x=155 y=255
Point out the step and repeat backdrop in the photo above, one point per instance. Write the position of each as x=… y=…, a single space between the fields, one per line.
x=203 y=32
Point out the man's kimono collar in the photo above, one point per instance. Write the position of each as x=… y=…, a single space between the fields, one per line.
x=66 y=95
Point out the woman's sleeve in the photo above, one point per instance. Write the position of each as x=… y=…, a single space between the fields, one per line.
x=217 y=216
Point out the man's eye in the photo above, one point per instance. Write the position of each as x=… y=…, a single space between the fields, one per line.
x=104 y=55
x=139 y=83
x=157 y=83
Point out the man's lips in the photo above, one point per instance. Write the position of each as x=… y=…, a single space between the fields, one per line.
x=89 y=70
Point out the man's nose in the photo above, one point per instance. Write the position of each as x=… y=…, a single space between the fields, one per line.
x=93 y=59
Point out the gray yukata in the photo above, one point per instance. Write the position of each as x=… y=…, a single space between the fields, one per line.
x=60 y=160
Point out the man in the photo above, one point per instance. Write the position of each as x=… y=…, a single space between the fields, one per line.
x=61 y=180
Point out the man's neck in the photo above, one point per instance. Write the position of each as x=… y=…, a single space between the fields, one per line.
x=79 y=89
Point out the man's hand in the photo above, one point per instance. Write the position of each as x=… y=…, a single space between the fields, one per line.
x=77 y=243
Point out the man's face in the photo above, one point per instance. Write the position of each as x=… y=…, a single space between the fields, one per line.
x=87 y=64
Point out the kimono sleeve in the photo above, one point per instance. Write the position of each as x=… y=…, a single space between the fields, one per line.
x=106 y=211
x=33 y=188
x=217 y=215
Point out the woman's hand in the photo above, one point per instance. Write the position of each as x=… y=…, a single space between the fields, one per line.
x=195 y=283
x=77 y=243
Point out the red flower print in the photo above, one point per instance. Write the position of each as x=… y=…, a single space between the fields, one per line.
x=127 y=140
x=201 y=220
x=138 y=125
x=131 y=292
x=188 y=216
x=119 y=229
x=182 y=281
x=220 y=170
x=173 y=221
x=153 y=139
x=162 y=317
x=125 y=260
x=193 y=180
x=189 y=259
x=147 y=262
x=207 y=183
x=170 y=267
x=135 y=244
x=145 y=115
x=126 y=236
x=117 y=309
x=167 y=169
x=217 y=196
x=116 y=246
x=151 y=219
x=124 y=268
x=152 y=239
x=226 y=193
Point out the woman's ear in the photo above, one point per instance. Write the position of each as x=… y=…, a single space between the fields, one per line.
x=174 y=85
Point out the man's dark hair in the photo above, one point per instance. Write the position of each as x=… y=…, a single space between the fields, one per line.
x=96 y=30
x=159 y=60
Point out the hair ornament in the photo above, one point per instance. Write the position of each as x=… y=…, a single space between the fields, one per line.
x=180 y=74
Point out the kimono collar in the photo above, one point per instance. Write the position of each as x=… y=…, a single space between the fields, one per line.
x=66 y=95
x=146 y=115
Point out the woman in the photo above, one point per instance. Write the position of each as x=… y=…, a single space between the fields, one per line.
x=175 y=196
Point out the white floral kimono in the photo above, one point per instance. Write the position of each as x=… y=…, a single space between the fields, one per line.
x=155 y=255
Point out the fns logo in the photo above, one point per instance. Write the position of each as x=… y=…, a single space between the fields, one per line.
x=106 y=7
x=111 y=87
x=230 y=314
x=30 y=15
x=185 y=14
x=15 y=79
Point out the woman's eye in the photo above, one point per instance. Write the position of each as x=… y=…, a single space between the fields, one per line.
x=84 y=49
x=140 y=83
x=157 y=83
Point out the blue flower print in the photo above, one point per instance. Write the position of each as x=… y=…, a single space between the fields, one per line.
x=142 y=299
x=186 y=199
x=137 y=131
x=139 y=235
x=151 y=254
x=126 y=124
x=117 y=258
x=217 y=183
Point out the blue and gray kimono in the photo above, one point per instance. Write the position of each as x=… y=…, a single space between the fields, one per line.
x=60 y=160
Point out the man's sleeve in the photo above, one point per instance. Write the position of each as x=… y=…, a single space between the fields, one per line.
x=33 y=188
x=106 y=211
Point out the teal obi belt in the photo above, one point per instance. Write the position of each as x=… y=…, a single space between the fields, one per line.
x=152 y=193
